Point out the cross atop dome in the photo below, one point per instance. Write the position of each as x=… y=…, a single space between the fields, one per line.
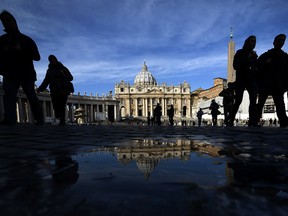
x=144 y=68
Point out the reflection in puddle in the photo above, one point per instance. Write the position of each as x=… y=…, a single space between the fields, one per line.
x=149 y=177
x=166 y=161
x=148 y=153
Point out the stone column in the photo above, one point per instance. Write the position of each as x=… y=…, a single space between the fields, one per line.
x=136 y=107
x=72 y=112
x=85 y=113
x=30 y=115
x=145 y=107
x=91 y=113
x=20 y=110
x=151 y=106
x=163 y=107
x=128 y=104
x=115 y=113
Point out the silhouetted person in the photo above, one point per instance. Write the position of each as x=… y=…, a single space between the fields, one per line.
x=55 y=76
x=214 y=107
x=17 y=52
x=152 y=120
x=228 y=101
x=275 y=122
x=199 y=116
x=270 y=122
x=149 y=119
x=171 y=115
x=246 y=78
x=273 y=78
x=158 y=114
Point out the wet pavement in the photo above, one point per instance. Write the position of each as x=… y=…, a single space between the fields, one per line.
x=140 y=170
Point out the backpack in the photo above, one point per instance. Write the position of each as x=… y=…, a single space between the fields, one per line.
x=67 y=85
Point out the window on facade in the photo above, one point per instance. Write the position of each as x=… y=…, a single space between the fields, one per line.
x=140 y=101
x=184 y=90
x=122 y=89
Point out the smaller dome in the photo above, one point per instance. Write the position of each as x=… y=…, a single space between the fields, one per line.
x=144 y=77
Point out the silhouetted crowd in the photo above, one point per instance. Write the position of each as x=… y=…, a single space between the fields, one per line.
x=17 y=53
x=260 y=76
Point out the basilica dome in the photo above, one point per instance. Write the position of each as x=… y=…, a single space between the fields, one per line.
x=144 y=77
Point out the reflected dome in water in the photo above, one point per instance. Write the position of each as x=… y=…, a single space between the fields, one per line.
x=146 y=165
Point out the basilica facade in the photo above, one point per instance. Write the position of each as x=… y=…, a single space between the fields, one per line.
x=139 y=99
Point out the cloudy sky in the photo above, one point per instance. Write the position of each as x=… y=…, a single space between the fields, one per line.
x=105 y=41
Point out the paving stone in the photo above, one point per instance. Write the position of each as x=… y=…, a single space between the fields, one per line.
x=213 y=171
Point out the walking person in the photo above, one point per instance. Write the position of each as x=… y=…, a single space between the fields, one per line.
x=273 y=78
x=171 y=115
x=214 y=107
x=149 y=119
x=228 y=101
x=17 y=53
x=56 y=76
x=199 y=116
x=270 y=122
x=158 y=114
x=275 y=122
x=244 y=63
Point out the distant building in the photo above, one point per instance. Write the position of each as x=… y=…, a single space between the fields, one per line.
x=204 y=97
x=95 y=109
x=140 y=98
x=211 y=93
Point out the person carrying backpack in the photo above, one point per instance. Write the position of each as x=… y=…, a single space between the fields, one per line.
x=57 y=77
x=214 y=107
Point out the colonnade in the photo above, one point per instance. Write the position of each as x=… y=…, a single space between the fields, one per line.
x=94 y=109
x=134 y=105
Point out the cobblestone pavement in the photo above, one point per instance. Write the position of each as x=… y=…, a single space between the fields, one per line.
x=246 y=172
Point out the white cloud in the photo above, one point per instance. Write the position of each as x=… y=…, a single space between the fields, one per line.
x=107 y=41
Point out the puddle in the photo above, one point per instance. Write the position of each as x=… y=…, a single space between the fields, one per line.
x=152 y=161
x=141 y=177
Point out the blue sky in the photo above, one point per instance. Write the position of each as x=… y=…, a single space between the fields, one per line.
x=105 y=41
